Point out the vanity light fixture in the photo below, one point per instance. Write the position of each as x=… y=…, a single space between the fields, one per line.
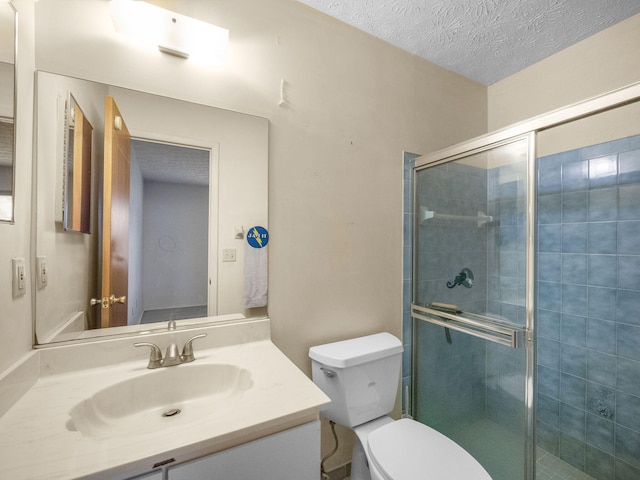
x=171 y=32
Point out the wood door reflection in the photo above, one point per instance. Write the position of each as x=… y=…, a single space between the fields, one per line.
x=115 y=221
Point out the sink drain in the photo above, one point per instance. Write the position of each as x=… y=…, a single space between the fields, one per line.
x=171 y=413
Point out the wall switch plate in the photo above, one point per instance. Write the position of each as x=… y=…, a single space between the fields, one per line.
x=42 y=272
x=228 y=254
x=18 y=277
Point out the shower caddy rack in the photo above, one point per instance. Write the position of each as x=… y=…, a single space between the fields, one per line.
x=425 y=214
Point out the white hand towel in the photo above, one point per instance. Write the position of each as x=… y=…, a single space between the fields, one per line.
x=255 y=276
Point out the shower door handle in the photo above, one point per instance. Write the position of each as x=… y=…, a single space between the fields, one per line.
x=480 y=326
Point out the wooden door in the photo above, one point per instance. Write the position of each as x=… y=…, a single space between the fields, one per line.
x=115 y=218
x=81 y=196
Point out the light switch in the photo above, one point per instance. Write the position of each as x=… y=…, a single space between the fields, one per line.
x=19 y=279
x=42 y=272
x=228 y=254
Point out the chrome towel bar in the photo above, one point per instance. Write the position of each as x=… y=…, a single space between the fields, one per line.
x=487 y=328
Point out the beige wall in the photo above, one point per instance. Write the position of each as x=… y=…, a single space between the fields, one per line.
x=6 y=95
x=353 y=104
x=15 y=314
x=599 y=64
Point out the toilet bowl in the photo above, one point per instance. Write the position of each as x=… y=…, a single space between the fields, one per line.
x=361 y=377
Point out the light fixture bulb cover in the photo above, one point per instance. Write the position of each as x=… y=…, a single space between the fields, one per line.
x=170 y=32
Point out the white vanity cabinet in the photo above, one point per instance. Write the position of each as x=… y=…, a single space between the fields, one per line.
x=269 y=430
x=294 y=453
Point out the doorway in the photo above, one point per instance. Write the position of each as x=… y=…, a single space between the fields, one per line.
x=169 y=226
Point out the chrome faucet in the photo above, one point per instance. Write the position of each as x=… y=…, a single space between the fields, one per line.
x=172 y=356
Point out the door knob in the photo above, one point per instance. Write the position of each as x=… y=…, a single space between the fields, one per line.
x=104 y=302
x=113 y=299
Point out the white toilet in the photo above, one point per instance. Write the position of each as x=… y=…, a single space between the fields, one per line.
x=361 y=377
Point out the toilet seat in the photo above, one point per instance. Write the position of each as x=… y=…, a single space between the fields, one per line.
x=406 y=450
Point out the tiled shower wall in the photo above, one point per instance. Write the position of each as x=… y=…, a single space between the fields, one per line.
x=506 y=258
x=506 y=241
x=445 y=247
x=407 y=271
x=468 y=379
x=407 y=282
x=495 y=252
x=588 y=308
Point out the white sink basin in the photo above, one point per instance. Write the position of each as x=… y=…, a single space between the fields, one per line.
x=170 y=396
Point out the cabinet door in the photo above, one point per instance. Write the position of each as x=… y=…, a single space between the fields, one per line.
x=294 y=453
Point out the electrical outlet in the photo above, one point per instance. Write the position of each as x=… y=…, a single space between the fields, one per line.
x=42 y=272
x=228 y=254
x=18 y=277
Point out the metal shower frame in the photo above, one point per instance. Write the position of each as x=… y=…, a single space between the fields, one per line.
x=528 y=130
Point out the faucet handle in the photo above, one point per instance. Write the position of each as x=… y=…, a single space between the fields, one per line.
x=187 y=350
x=155 y=357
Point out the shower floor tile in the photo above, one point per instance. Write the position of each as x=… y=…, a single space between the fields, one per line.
x=550 y=467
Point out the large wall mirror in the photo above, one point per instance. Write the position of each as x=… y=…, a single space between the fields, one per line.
x=169 y=191
x=76 y=205
x=7 y=109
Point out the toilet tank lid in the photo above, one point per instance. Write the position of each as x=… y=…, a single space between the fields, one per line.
x=355 y=351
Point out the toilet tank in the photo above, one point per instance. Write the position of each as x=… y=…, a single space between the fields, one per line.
x=360 y=376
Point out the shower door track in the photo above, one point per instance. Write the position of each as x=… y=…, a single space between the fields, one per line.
x=586 y=108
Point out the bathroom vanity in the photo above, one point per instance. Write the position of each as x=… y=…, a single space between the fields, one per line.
x=242 y=406
x=293 y=452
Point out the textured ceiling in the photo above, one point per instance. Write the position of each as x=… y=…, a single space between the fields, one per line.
x=484 y=40
x=161 y=162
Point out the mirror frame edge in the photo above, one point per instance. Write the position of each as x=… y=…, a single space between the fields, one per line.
x=12 y=220
x=234 y=319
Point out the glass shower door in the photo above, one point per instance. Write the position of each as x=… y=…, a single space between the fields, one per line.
x=473 y=352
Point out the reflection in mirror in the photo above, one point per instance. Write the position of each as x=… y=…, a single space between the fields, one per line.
x=167 y=236
x=195 y=176
x=170 y=192
x=7 y=109
x=77 y=168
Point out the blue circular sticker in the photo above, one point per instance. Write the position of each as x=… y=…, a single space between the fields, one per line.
x=258 y=237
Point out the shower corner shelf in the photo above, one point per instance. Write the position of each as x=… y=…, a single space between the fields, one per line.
x=425 y=214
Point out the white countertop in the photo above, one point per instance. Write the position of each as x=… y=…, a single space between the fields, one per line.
x=35 y=442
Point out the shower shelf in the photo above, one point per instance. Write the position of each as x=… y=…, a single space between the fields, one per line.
x=481 y=218
x=502 y=332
